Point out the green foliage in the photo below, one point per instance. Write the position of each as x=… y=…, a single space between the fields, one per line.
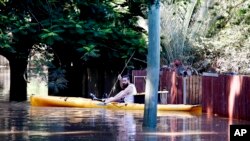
x=89 y=51
x=49 y=36
x=55 y=21
x=2 y=2
x=241 y=16
x=57 y=80
x=220 y=23
x=227 y=49
x=100 y=30
x=219 y=34
x=40 y=58
x=4 y=40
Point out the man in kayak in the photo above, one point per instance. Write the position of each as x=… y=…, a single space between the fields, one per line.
x=126 y=94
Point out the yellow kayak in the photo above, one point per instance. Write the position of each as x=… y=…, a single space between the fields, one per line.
x=57 y=101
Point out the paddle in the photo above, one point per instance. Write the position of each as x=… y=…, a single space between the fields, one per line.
x=93 y=97
x=112 y=89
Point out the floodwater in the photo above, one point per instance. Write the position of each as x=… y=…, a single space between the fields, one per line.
x=22 y=122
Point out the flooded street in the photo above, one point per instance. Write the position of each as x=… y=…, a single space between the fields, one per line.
x=20 y=121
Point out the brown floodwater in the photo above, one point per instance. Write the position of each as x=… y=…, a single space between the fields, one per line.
x=22 y=122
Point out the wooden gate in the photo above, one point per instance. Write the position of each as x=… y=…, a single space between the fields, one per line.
x=175 y=85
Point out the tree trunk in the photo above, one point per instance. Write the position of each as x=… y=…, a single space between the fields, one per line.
x=74 y=75
x=187 y=20
x=200 y=26
x=153 y=66
x=18 y=84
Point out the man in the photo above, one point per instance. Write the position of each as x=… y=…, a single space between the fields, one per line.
x=126 y=94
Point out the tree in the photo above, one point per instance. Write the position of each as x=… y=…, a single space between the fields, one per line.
x=226 y=48
x=153 y=65
x=17 y=38
x=77 y=32
x=182 y=22
x=198 y=33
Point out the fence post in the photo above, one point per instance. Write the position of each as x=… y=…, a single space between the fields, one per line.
x=184 y=90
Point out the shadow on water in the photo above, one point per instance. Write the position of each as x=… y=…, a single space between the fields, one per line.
x=19 y=121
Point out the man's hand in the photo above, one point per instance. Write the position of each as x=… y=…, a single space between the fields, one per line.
x=119 y=77
x=109 y=100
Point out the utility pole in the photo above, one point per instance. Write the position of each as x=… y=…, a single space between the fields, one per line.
x=153 y=65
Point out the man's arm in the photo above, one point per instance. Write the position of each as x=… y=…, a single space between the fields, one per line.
x=120 y=95
x=120 y=80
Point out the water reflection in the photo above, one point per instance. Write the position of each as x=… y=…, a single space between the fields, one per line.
x=19 y=121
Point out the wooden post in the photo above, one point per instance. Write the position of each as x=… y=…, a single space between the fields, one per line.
x=153 y=66
x=184 y=79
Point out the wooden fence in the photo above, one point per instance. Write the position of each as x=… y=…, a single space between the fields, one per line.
x=224 y=95
x=227 y=96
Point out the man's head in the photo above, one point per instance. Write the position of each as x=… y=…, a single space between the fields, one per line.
x=125 y=81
